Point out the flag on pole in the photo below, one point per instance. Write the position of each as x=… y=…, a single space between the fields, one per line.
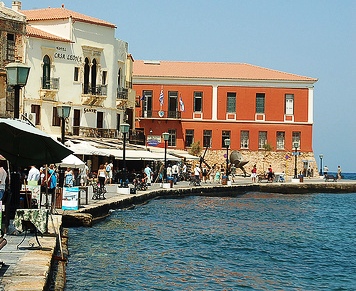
x=143 y=97
x=161 y=97
x=181 y=104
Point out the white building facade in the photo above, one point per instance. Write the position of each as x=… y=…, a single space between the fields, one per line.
x=76 y=60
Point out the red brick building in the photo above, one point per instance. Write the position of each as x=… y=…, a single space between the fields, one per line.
x=250 y=105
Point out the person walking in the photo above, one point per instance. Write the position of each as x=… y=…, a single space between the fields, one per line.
x=148 y=173
x=175 y=173
x=33 y=174
x=197 y=172
x=102 y=175
x=3 y=177
x=108 y=168
x=68 y=178
x=326 y=170
x=254 y=173
x=84 y=175
x=339 y=172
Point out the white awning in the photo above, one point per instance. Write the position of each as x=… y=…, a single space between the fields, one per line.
x=84 y=148
x=139 y=155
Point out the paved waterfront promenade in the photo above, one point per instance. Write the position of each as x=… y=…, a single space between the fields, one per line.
x=29 y=269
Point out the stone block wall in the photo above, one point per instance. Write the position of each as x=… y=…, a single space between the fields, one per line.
x=280 y=161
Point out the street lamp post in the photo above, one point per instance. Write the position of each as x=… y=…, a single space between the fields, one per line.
x=124 y=128
x=321 y=164
x=17 y=75
x=295 y=145
x=63 y=112
x=227 y=144
x=165 y=136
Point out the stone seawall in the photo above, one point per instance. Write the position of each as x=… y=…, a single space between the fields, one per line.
x=91 y=213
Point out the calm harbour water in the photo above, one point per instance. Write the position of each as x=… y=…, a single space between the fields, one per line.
x=256 y=241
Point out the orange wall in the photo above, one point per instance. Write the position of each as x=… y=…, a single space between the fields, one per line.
x=245 y=115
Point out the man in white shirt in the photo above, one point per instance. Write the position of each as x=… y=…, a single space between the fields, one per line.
x=197 y=172
x=33 y=174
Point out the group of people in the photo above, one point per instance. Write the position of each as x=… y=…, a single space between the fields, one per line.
x=206 y=174
x=338 y=172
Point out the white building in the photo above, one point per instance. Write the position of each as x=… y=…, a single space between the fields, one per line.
x=76 y=60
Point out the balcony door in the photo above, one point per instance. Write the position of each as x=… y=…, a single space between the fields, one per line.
x=172 y=104
x=76 y=121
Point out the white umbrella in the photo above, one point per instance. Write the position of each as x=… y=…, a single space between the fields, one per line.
x=72 y=161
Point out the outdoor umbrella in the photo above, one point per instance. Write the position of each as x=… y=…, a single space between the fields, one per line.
x=24 y=145
x=72 y=161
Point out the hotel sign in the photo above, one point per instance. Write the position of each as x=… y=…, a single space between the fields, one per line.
x=61 y=54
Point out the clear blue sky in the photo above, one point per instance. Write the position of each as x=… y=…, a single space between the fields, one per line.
x=314 y=38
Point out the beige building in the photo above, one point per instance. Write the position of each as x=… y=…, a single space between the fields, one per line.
x=76 y=60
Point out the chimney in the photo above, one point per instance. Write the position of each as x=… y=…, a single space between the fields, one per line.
x=16 y=5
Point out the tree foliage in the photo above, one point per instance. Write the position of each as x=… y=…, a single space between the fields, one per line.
x=195 y=149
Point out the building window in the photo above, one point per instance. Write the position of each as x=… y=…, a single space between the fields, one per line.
x=262 y=139
x=225 y=135
x=207 y=138
x=198 y=101
x=296 y=138
x=231 y=103
x=93 y=76
x=37 y=110
x=289 y=104
x=46 y=73
x=189 y=137
x=76 y=74
x=56 y=121
x=104 y=77
x=244 y=139
x=260 y=103
x=147 y=103
x=86 y=76
x=280 y=140
x=10 y=47
x=119 y=79
x=172 y=137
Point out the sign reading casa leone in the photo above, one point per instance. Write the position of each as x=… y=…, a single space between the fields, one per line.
x=61 y=54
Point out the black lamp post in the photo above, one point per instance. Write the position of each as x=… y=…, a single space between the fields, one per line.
x=17 y=75
x=295 y=159
x=124 y=128
x=63 y=112
x=227 y=144
x=321 y=164
x=165 y=136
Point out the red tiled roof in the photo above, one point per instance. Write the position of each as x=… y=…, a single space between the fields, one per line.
x=211 y=71
x=62 y=13
x=35 y=32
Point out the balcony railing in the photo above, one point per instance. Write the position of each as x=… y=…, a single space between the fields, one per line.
x=95 y=90
x=95 y=132
x=50 y=84
x=122 y=93
x=160 y=114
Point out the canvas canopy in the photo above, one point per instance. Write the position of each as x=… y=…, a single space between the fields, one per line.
x=71 y=161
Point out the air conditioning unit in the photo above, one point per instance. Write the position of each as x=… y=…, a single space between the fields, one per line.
x=31 y=117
